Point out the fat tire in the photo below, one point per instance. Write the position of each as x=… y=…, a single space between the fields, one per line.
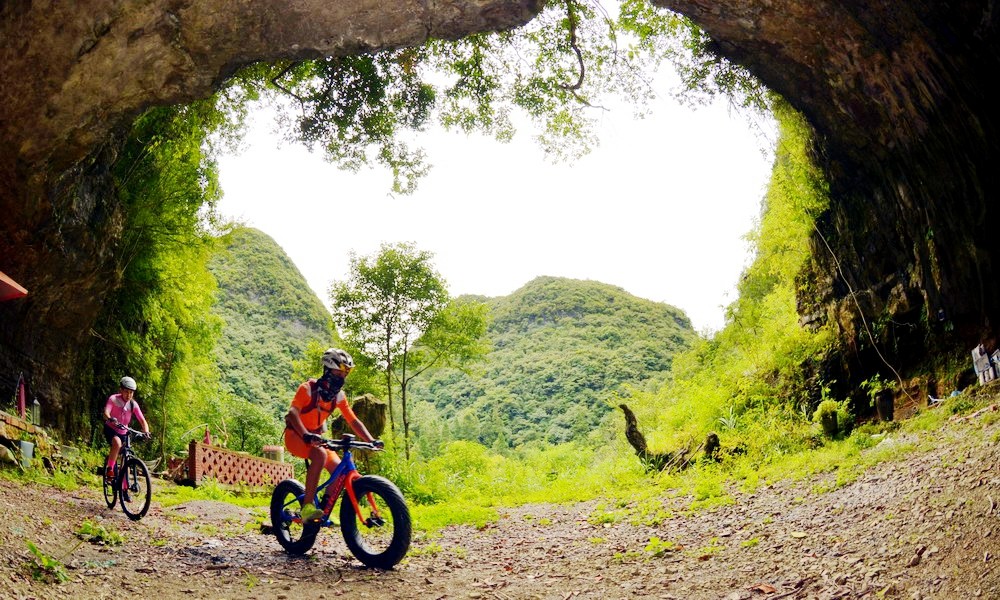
x=297 y=541
x=140 y=488
x=388 y=497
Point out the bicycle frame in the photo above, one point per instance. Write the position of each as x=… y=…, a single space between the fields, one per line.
x=340 y=479
x=126 y=450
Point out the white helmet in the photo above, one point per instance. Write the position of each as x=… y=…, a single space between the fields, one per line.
x=128 y=383
x=337 y=359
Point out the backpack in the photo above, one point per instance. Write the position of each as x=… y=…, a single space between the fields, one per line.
x=314 y=393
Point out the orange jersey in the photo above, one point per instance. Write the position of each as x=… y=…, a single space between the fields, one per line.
x=313 y=415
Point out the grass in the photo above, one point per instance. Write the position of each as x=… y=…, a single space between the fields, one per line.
x=172 y=495
x=95 y=533
x=44 y=567
x=642 y=499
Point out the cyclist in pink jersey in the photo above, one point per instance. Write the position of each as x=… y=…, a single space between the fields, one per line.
x=118 y=413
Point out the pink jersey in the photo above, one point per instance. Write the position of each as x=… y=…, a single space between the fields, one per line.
x=119 y=409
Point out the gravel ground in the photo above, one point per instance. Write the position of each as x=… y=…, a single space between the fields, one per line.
x=924 y=526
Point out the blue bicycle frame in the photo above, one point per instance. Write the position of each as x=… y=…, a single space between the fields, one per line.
x=341 y=478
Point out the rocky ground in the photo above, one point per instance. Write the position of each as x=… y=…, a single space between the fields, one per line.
x=925 y=526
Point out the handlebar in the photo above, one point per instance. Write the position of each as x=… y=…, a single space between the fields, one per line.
x=136 y=432
x=348 y=441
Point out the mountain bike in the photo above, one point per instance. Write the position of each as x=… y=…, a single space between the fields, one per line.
x=131 y=482
x=374 y=518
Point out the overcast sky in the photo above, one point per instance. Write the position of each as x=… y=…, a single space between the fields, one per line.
x=660 y=208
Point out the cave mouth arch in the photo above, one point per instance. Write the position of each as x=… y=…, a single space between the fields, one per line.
x=900 y=96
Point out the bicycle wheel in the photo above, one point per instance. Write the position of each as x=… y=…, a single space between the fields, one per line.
x=110 y=491
x=286 y=522
x=137 y=490
x=381 y=537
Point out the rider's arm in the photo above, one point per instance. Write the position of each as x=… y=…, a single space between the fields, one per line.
x=107 y=409
x=137 y=413
x=294 y=421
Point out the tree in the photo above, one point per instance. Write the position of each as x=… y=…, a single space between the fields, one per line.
x=158 y=327
x=388 y=301
x=456 y=337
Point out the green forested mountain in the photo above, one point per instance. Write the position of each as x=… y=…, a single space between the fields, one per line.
x=562 y=349
x=271 y=314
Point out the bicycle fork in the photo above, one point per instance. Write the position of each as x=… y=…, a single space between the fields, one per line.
x=340 y=483
x=373 y=520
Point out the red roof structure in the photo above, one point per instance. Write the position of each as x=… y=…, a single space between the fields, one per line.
x=9 y=289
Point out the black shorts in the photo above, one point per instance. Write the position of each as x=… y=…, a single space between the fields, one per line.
x=110 y=434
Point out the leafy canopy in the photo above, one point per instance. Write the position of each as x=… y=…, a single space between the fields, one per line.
x=395 y=307
x=388 y=300
x=557 y=72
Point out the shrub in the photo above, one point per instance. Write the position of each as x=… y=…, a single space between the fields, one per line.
x=827 y=416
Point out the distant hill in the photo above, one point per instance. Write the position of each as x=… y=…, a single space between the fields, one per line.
x=561 y=349
x=271 y=315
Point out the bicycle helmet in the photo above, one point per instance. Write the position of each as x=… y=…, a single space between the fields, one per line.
x=337 y=359
x=128 y=383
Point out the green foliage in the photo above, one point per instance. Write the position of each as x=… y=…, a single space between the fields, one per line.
x=356 y=107
x=660 y=548
x=557 y=70
x=157 y=327
x=465 y=482
x=96 y=533
x=395 y=307
x=827 y=415
x=272 y=318
x=244 y=426
x=761 y=366
x=562 y=350
x=875 y=385
x=665 y=35
x=46 y=568
x=209 y=489
x=388 y=301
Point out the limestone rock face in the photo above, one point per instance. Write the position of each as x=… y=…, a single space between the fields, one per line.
x=900 y=94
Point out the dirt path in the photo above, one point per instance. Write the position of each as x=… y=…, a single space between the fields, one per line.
x=925 y=527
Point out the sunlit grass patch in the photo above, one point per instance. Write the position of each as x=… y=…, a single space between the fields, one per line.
x=168 y=494
x=431 y=549
x=708 y=551
x=96 y=533
x=438 y=516
x=659 y=548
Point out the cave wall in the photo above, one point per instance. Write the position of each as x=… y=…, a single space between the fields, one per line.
x=900 y=96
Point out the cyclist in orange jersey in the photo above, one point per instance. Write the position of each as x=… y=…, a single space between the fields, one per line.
x=314 y=402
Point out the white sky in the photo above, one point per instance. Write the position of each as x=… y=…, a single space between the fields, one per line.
x=660 y=208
